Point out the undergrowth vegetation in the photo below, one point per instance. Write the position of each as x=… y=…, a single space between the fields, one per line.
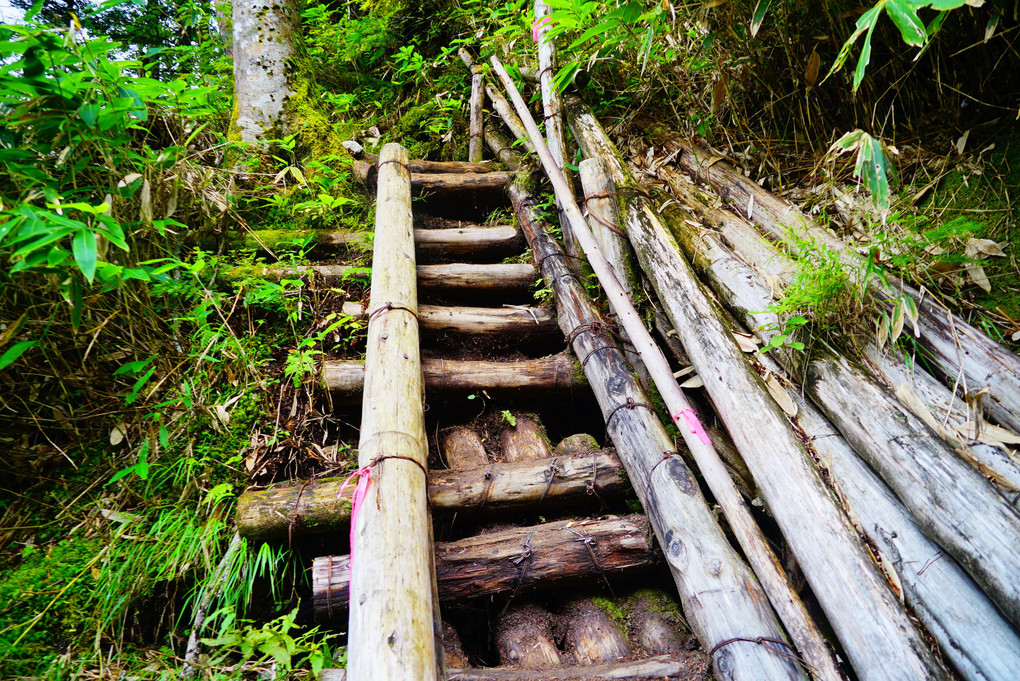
x=150 y=372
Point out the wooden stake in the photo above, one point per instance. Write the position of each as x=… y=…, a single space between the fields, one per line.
x=476 y=142
x=392 y=632
x=802 y=629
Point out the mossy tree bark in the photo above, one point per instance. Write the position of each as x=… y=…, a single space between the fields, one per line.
x=266 y=35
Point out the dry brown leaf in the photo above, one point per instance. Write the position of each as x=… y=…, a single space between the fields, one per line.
x=747 y=342
x=976 y=274
x=683 y=372
x=995 y=436
x=222 y=414
x=718 y=94
x=118 y=434
x=814 y=62
x=980 y=248
x=780 y=395
x=145 y=209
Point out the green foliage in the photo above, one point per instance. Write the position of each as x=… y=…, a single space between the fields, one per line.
x=274 y=640
x=872 y=166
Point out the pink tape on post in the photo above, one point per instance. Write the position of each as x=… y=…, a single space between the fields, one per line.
x=364 y=476
x=693 y=423
x=539 y=23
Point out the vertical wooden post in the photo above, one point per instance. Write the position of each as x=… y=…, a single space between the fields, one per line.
x=552 y=113
x=392 y=605
x=475 y=142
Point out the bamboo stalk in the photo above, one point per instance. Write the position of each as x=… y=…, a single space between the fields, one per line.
x=802 y=629
x=865 y=614
x=391 y=617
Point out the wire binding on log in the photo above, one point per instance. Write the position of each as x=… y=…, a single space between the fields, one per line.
x=666 y=456
x=524 y=560
x=391 y=306
x=589 y=543
x=629 y=404
x=763 y=641
x=396 y=161
x=553 y=470
x=490 y=480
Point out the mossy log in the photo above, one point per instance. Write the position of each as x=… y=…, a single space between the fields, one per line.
x=517 y=559
x=878 y=637
x=493 y=243
x=592 y=636
x=292 y=509
x=883 y=519
x=546 y=376
x=420 y=166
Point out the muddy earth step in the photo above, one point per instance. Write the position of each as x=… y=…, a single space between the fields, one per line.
x=517 y=559
x=546 y=376
x=509 y=320
x=292 y=509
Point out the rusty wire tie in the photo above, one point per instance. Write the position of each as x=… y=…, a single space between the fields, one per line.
x=589 y=543
x=631 y=403
x=762 y=641
x=391 y=306
x=550 y=478
x=523 y=560
x=295 y=519
x=666 y=456
x=394 y=161
x=610 y=226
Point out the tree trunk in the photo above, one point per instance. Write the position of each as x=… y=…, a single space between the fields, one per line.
x=476 y=142
x=876 y=634
x=546 y=376
x=265 y=43
x=514 y=560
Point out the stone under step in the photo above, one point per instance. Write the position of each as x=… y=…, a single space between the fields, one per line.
x=553 y=375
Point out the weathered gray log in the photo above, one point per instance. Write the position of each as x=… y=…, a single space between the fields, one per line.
x=518 y=321
x=721 y=596
x=487 y=564
x=501 y=107
x=459 y=182
x=882 y=518
x=293 y=509
x=864 y=613
x=545 y=375
x=649 y=669
x=392 y=632
x=478 y=242
x=600 y=199
x=476 y=143
x=921 y=394
x=778 y=588
x=974 y=636
x=955 y=345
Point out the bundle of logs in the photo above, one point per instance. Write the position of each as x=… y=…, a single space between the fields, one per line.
x=895 y=489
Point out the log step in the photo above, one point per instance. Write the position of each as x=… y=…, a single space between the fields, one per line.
x=454 y=278
x=546 y=375
x=477 y=242
x=514 y=320
x=319 y=507
x=449 y=182
x=649 y=669
x=513 y=559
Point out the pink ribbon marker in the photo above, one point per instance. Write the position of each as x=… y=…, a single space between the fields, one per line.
x=364 y=476
x=539 y=23
x=693 y=423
